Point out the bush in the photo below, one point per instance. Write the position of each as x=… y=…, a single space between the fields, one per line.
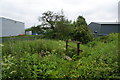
x=81 y=31
x=82 y=34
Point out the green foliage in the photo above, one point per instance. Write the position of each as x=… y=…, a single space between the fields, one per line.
x=21 y=38
x=62 y=28
x=35 y=46
x=82 y=34
x=80 y=21
x=50 y=18
x=81 y=31
x=36 y=29
x=57 y=26
x=99 y=59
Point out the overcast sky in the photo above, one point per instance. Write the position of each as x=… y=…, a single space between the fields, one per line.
x=27 y=11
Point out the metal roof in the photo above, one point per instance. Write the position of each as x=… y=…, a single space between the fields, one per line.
x=107 y=22
x=11 y=19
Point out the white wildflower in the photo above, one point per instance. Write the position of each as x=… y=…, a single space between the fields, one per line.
x=12 y=72
x=60 y=44
x=1 y=45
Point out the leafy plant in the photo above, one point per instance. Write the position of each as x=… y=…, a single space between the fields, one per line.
x=43 y=58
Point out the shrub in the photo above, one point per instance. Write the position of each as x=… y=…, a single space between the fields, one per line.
x=82 y=34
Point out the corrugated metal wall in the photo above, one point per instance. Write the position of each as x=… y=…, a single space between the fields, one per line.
x=95 y=27
x=12 y=28
x=0 y=27
x=104 y=29
x=109 y=28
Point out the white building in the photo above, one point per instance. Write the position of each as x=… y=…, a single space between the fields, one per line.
x=28 y=32
x=9 y=27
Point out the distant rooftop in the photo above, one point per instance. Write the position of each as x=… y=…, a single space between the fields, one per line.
x=107 y=22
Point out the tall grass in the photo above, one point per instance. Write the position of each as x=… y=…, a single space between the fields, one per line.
x=35 y=46
x=43 y=58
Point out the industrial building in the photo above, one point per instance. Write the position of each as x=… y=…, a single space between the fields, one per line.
x=9 y=27
x=104 y=28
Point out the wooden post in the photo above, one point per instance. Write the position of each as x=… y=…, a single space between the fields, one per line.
x=78 y=46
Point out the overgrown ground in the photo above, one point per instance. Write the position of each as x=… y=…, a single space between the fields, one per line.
x=44 y=58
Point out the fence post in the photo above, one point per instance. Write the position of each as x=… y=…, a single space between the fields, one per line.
x=78 y=46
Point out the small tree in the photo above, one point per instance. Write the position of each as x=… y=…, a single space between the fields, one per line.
x=63 y=29
x=50 y=18
x=81 y=31
x=60 y=27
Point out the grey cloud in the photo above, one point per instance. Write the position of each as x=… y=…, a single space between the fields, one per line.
x=29 y=10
